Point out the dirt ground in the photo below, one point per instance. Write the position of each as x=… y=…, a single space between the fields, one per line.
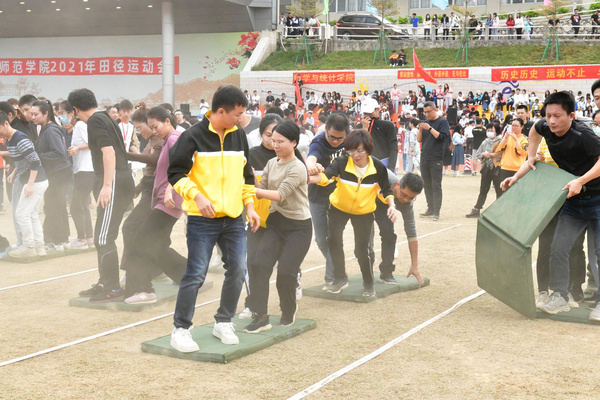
x=483 y=350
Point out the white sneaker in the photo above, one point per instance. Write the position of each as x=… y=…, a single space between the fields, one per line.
x=79 y=244
x=141 y=298
x=23 y=251
x=40 y=250
x=226 y=332
x=556 y=304
x=542 y=299
x=572 y=303
x=90 y=242
x=246 y=314
x=66 y=245
x=181 y=340
x=123 y=280
x=595 y=314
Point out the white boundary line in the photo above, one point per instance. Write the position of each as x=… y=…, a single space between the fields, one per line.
x=49 y=279
x=382 y=349
x=98 y=335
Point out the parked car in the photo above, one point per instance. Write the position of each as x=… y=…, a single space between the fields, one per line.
x=367 y=26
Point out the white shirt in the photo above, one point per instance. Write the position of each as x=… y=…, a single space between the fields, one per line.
x=82 y=160
x=127 y=132
x=256 y=99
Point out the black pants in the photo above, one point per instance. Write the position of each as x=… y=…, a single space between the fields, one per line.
x=80 y=211
x=487 y=177
x=106 y=230
x=506 y=174
x=252 y=242
x=576 y=30
x=388 y=239
x=519 y=33
x=286 y=242
x=577 y=264
x=431 y=172
x=362 y=225
x=152 y=251
x=56 y=221
x=136 y=218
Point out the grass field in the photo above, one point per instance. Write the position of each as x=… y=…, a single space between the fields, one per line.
x=434 y=58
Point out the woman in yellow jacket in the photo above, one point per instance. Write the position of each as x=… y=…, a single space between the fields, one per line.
x=512 y=149
x=359 y=178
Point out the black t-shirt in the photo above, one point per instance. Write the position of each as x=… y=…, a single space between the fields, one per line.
x=325 y=154
x=103 y=131
x=433 y=148
x=258 y=157
x=527 y=127
x=575 y=19
x=478 y=136
x=576 y=151
x=596 y=19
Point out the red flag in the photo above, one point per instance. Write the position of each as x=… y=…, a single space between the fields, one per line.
x=298 y=95
x=419 y=71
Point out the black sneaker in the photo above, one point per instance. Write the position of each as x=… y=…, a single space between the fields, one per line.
x=287 y=320
x=577 y=293
x=475 y=213
x=109 y=295
x=259 y=324
x=427 y=214
x=369 y=290
x=387 y=279
x=95 y=290
x=338 y=285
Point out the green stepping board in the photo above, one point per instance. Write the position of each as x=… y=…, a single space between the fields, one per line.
x=165 y=291
x=212 y=350
x=48 y=256
x=355 y=289
x=580 y=315
x=507 y=230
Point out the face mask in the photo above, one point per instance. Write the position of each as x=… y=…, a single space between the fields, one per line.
x=64 y=119
x=597 y=130
x=490 y=135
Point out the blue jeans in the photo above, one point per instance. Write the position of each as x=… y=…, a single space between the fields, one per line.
x=318 y=211
x=202 y=235
x=575 y=216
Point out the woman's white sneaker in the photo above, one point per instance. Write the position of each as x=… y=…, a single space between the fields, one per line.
x=181 y=340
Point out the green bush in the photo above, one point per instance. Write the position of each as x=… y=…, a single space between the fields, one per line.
x=580 y=8
x=391 y=19
x=563 y=10
x=503 y=16
x=332 y=23
x=402 y=20
x=595 y=6
x=531 y=14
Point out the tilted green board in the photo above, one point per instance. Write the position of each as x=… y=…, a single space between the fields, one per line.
x=507 y=230
x=526 y=208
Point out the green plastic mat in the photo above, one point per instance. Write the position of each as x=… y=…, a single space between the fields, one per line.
x=526 y=208
x=165 y=291
x=579 y=315
x=48 y=256
x=212 y=350
x=355 y=289
x=504 y=268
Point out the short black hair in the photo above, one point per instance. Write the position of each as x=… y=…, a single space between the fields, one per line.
x=595 y=85
x=413 y=182
x=125 y=105
x=275 y=110
x=228 y=97
x=520 y=106
x=82 y=99
x=478 y=121
x=562 y=98
x=267 y=120
x=7 y=108
x=359 y=137
x=339 y=122
x=167 y=106
x=596 y=113
x=4 y=118
x=27 y=99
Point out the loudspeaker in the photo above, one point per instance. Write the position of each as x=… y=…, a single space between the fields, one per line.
x=451 y=116
x=185 y=108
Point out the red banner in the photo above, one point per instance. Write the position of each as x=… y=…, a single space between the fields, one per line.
x=84 y=66
x=546 y=73
x=436 y=73
x=326 y=77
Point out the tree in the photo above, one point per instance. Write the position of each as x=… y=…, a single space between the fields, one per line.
x=305 y=8
x=550 y=12
x=385 y=8
x=464 y=30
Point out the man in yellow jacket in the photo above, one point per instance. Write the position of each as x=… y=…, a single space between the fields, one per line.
x=209 y=169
